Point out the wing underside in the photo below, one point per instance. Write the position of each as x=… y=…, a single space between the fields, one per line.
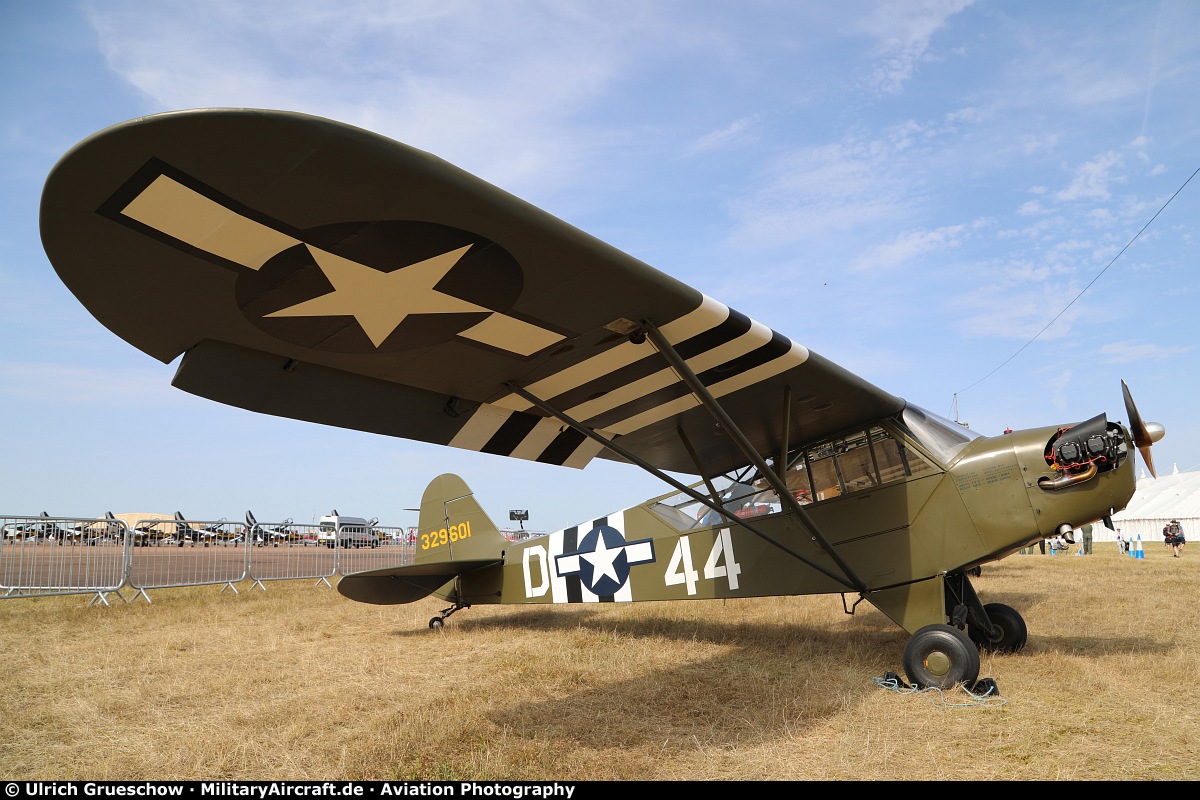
x=312 y=270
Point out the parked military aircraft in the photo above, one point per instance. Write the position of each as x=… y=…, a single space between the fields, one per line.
x=313 y=270
x=107 y=529
x=43 y=528
x=152 y=531
x=272 y=534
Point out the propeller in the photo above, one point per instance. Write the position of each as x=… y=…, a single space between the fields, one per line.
x=1144 y=433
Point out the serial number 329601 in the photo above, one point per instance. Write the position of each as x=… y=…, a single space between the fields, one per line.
x=445 y=536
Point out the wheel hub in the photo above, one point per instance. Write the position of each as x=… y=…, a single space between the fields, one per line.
x=938 y=663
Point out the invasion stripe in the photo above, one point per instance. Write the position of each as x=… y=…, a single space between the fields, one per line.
x=794 y=357
x=511 y=433
x=754 y=338
x=480 y=427
x=709 y=314
x=565 y=444
x=574 y=585
x=543 y=437
x=584 y=453
x=600 y=390
x=709 y=371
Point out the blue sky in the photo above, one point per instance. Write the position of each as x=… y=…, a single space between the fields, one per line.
x=934 y=194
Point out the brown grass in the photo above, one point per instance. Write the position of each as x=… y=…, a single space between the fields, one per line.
x=299 y=683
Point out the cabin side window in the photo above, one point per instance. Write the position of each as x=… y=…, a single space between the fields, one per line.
x=860 y=461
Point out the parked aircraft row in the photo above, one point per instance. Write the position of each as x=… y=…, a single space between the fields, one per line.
x=179 y=531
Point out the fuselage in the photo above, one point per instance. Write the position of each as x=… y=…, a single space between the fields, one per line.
x=993 y=497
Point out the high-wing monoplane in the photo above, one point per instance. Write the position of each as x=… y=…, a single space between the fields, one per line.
x=309 y=269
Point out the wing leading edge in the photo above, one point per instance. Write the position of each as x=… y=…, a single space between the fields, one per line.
x=309 y=269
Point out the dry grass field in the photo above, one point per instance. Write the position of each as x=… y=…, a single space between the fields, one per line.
x=299 y=683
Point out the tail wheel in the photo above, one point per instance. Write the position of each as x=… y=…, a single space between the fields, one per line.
x=436 y=624
x=1010 y=629
x=940 y=657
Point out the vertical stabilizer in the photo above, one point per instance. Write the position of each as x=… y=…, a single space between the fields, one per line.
x=452 y=525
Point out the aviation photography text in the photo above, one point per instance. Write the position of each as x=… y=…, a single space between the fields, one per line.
x=264 y=789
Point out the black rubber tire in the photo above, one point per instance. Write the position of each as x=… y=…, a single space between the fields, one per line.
x=436 y=624
x=940 y=657
x=1014 y=633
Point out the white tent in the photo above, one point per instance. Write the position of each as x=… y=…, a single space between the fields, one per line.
x=1157 y=501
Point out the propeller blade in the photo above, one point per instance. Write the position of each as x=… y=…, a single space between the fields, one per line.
x=1145 y=434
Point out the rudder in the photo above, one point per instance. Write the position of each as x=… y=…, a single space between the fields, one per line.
x=453 y=527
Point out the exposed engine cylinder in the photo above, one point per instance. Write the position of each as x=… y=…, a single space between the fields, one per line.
x=1080 y=452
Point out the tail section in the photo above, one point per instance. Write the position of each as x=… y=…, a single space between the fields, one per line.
x=455 y=536
x=453 y=527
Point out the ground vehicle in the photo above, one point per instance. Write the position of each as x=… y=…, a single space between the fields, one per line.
x=347 y=531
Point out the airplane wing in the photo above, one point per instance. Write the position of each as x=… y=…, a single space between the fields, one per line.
x=309 y=269
x=396 y=585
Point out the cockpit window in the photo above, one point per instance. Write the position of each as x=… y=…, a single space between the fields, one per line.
x=941 y=437
x=853 y=462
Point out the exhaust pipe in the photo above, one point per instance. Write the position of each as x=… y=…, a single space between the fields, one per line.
x=1068 y=478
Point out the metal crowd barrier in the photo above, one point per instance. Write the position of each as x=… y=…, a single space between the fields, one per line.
x=384 y=547
x=175 y=553
x=44 y=555
x=287 y=552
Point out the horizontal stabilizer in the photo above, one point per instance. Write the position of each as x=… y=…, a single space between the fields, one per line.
x=398 y=585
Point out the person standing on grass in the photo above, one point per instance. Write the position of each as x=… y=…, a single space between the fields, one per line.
x=1087 y=539
x=1177 y=537
x=1120 y=542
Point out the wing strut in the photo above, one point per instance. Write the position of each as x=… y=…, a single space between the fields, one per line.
x=752 y=456
x=692 y=493
x=687 y=443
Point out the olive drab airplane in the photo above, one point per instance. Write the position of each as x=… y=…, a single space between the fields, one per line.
x=308 y=269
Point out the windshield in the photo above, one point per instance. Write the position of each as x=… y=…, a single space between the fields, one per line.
x=941 y=437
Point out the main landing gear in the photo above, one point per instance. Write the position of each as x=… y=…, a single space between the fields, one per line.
x=943 y=655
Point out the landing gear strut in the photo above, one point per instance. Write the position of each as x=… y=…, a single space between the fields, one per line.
x=943 y=655
x=437 y=622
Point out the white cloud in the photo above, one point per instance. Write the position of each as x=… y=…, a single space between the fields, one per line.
x=1092 y=179
x=903 y=30
x=1131 y=352
x=736 y=131
x=907 y=247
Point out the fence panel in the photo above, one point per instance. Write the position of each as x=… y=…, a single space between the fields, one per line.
x=179 y=552
x=288 y=551
x=386 y=547
x=62 y=555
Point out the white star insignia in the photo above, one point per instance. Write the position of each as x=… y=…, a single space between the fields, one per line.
x=601 y=560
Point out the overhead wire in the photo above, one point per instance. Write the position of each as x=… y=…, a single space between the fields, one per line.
x=1112 y=261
